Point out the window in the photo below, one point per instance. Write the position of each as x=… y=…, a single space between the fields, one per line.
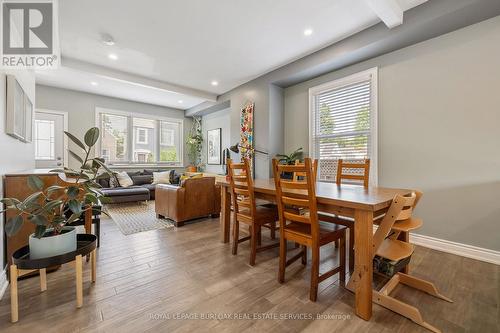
x=142 y=136
x=44 y=140
x=153 y=140
x=343 y=122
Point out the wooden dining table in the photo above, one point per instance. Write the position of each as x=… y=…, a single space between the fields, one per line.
x=345 y=200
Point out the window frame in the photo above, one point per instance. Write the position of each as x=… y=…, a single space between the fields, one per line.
x=371 y=74
x=130 y=137
x=138 y=135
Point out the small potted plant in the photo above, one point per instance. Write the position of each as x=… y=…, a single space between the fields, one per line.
x=195 y=145
x=290 y=160
x=52 y=209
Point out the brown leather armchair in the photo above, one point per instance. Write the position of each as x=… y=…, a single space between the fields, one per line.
x=198 y=197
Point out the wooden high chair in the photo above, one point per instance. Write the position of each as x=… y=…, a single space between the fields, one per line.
x=398 y=219
x=246 y=211
x=299 y=223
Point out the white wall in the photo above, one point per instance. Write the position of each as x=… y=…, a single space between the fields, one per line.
x=81 y=109
x=439 y=129
x=14 y=154
x=220 y=119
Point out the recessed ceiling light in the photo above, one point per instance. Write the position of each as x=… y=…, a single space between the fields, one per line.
x=94 y=83
x=112 y=56
x=107 y=39
x=215 y=83
x=180 y=101
x=308 y=32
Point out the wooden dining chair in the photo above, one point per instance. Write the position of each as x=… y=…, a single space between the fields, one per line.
x=299 y=175
x=356 y=171
x=386 y=244
x=299 y=223
x=247 y=212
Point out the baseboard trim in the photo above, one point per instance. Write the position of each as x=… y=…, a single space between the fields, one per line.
x=3 y=282
x=463 y=250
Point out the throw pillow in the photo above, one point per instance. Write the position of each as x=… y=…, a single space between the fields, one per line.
x=124 y=179
x=161 y=177
x=142 y=180
x=113 y=181
x=182 y=180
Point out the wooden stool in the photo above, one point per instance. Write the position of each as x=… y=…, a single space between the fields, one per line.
x=22 y=265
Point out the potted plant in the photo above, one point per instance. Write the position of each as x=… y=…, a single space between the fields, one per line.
x=290 y=160
x=52 y=209
x=195 y=145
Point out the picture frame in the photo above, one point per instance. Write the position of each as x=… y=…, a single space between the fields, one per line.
x=214 y=146
x=15 y=125
x=20 y=110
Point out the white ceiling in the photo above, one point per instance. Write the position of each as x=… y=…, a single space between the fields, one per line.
x=172 y=50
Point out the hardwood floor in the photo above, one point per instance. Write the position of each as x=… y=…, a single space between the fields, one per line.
x=160 y=281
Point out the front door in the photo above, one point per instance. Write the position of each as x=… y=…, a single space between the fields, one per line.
x=49 y=140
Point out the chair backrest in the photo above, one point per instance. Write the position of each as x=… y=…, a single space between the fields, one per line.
x=352 y=167
x=294 y=196
x=401 y=209
x=298 y=174
x=242 y=190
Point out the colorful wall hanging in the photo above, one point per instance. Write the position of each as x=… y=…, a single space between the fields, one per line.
x=246 y=134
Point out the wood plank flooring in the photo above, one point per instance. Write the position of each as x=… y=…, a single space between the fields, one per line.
x=184 y=279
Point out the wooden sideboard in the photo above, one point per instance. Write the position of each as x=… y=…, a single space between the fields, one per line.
x=15 y=186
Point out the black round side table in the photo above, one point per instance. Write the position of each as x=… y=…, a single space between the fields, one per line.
x=22 y=265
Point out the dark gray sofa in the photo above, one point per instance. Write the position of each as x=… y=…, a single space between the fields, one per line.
x=142 y=190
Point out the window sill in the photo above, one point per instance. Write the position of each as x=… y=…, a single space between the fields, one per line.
x=145 y=166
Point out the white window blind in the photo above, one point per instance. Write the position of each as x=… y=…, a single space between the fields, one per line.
x=343 y=122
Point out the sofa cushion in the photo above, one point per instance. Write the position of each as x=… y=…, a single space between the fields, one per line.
x=142 y=179
x=124 y=191
x=124 y=179
x=150 y=187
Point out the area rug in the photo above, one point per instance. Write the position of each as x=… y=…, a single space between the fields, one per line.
x=136 y=217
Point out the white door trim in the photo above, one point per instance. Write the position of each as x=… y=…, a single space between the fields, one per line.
x=65 y=128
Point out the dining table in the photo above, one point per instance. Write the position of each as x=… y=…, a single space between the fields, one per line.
x=346 y=200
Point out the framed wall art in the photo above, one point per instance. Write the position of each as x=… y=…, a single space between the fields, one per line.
x=214 y=146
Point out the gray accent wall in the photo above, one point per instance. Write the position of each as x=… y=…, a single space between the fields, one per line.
x=81 y=110
x=14 y=155
x=220 y=119
x=438 y=129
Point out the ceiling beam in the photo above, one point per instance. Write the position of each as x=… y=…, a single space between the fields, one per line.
x=116 y=75
x=389 y=11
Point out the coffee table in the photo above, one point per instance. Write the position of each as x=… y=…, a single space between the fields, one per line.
x=22 y=265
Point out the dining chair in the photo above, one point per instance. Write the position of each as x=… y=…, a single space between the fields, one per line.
x=299 y=175
x=386 y=245
x=299 y=223
x=356 y=171
x=247 y=212
x=353 y=171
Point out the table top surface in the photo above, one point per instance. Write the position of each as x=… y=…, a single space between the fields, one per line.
x=346 y=195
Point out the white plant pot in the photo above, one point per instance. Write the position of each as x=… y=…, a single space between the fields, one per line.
x=49 y=246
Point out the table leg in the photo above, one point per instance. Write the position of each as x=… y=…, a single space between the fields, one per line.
x=14 y=306
x=93 y=264
x=363 y=262
x=225 y=216
x=79 y=280
x=43 y=279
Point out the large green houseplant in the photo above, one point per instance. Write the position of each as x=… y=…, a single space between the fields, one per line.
x=195 y=144
x=51 y=209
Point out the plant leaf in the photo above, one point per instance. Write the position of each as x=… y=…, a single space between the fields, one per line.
x=92 y=136
x=13 y=225
x=51 y=205
x=10 y=201
x=39 y=220
x=91 y=198
x=35 y=183
x=72 y=192
x=73 y=218
x=31 y=199
x=75 y=206
x=40 y=231
x=102 y=164
x=76 y=156
x=75 y=140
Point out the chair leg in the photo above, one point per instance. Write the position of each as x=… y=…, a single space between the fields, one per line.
x=304 y=255
x=342 y=260
x=337 y=244
x=97 y=226
x=259 y=235
x=273 y=230
x=419 y=284
x=313 y=293
x=253 y=244
x=236 y=236
x=283 y=246
x=405 y=237
x=351 y=249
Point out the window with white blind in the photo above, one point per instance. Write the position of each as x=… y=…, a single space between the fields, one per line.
x=343 y=123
